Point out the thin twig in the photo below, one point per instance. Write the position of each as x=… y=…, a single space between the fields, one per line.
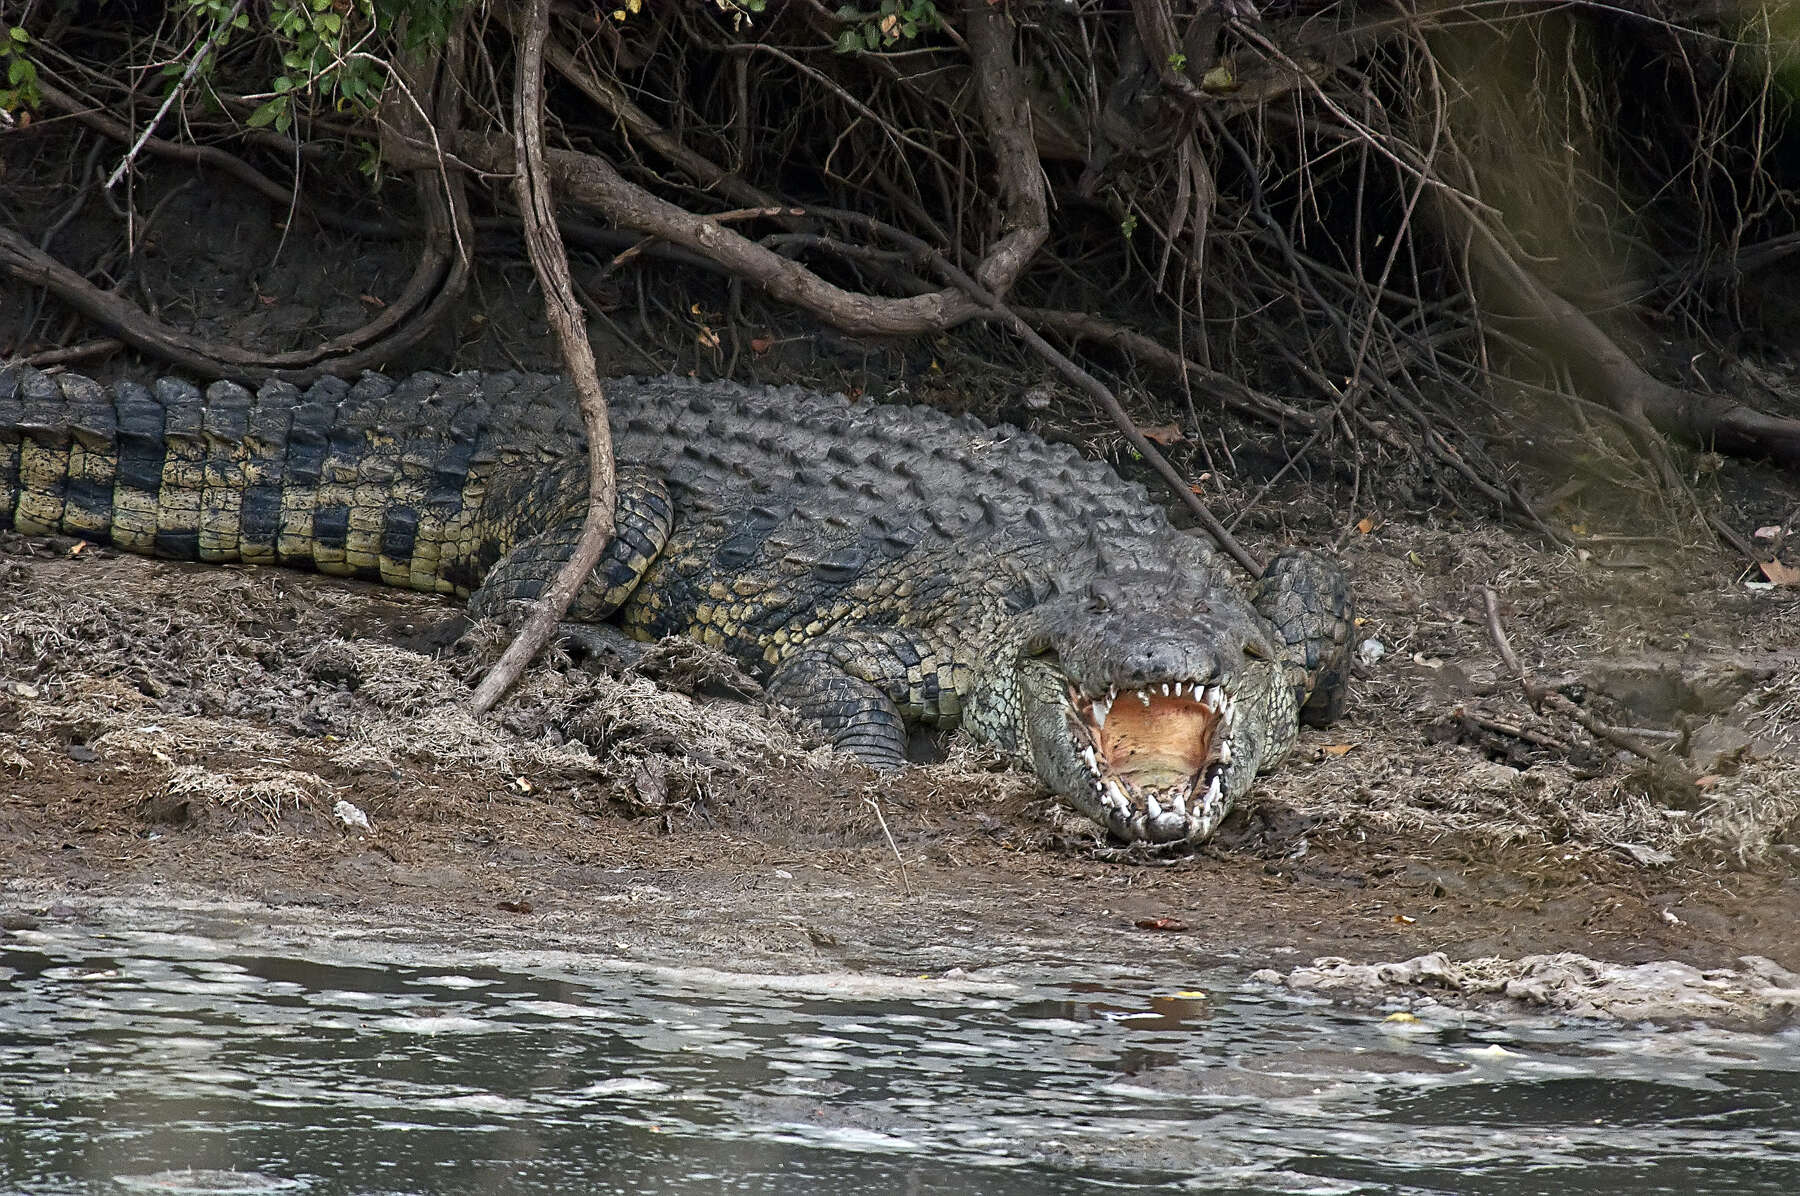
x=1487 y=722
x=1095 y=389
x=882 y=819
x=193 y=66
x=1541 y=698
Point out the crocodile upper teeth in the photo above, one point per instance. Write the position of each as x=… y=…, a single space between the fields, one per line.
x=1102 y=708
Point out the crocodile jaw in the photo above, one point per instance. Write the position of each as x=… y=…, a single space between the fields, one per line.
x=1156 y=758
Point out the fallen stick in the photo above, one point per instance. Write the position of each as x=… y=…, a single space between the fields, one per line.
x=1541 y=698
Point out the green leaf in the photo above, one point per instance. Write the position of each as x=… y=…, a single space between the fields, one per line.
x=19 y=35
x=242 y=21
x=331 y=22
x=871 y=36
x=849 y=42
x=265 y=113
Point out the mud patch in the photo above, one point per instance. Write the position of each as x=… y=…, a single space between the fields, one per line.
x=172 y=726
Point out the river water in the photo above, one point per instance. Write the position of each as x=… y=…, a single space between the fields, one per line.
x=164 y=1059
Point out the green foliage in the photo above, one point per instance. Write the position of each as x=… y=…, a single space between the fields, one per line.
x=332 y=50
x=314 y=39
x=893 y=22
x=21 y=89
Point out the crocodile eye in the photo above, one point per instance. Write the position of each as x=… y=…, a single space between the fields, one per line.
x=1102 y=596
x=1255 y=650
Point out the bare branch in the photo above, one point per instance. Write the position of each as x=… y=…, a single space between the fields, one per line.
x=1007 y=113
x=591 y=179
x=543 y=241
x=194 y=64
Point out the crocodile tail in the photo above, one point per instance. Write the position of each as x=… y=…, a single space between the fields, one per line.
x=1307 y=599
x=421 y=483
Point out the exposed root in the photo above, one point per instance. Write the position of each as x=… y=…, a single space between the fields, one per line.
x=543 y=239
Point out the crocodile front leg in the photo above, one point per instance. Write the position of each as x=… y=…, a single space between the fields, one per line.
x=1307 y=599
x=863 y=685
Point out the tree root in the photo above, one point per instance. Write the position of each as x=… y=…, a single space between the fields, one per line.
x=592 y=180
x=543 y=240
x=1643 y=401
x=1245 y=400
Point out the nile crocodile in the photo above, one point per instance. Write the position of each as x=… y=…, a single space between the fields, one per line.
x=876 y=565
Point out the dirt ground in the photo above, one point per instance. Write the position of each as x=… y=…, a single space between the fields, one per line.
x=185 y=729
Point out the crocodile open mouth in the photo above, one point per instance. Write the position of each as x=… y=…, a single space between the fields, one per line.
x=1157 y=756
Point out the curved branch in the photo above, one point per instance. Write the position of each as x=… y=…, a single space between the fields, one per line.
x=591 y=179
x=543 y=240
x=1702 y=420
x=1007 y=114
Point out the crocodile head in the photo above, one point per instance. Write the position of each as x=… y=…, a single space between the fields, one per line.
x=1150 y=701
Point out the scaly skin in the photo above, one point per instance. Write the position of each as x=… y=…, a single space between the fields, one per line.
x=875 y=565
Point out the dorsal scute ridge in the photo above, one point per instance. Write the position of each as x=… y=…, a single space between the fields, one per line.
x=910 y=463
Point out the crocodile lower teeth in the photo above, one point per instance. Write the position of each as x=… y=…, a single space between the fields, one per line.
x=1114 y=796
